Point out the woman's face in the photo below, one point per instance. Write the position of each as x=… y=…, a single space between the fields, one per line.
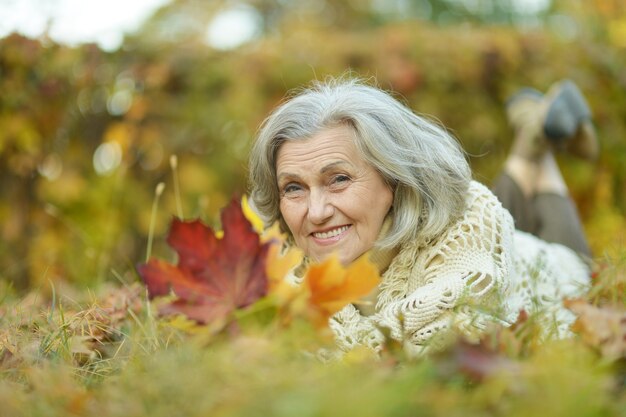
x=332 y=200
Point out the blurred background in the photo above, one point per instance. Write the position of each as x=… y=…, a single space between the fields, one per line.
x=96 y=97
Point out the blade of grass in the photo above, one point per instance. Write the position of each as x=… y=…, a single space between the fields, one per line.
x=155 y=203
x=179 y=205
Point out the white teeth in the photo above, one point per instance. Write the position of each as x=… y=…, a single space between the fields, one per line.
x=330 y=233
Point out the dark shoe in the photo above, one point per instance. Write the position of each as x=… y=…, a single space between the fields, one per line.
x=567 y=124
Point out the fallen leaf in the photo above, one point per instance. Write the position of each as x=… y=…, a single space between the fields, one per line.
x=478 y=362
x=332 y=286
x=603 y=328
x=8 y=359
x=213 y=276
x=608 y=283
x=119 y=301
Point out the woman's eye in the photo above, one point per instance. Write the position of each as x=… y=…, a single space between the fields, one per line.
x=340 y=179
x=291 y=188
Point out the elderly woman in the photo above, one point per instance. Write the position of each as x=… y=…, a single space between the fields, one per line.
x=348 y=170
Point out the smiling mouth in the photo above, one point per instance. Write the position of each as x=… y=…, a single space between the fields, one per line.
x=330 y=233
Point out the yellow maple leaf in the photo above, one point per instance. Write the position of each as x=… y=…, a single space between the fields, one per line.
x=289 y=297
x=252 y=215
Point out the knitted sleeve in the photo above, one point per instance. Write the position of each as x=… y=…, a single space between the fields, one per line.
x=457 y=281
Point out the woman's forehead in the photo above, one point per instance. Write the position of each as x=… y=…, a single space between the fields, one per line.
x=315 y=150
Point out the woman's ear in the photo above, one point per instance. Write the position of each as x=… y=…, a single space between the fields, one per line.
x=391 y=183
x=395 y=186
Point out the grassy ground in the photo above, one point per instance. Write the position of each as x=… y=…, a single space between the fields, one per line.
x=106 y=354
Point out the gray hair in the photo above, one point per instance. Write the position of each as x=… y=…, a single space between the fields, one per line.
x=424 y=165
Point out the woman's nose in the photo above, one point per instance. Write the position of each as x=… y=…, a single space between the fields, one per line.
x=320 y=208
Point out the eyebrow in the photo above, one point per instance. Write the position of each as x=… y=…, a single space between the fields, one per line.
x=332 y=165
x=287 y=175
x=324 y=170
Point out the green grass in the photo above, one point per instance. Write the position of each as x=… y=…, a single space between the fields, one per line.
x=108 y=355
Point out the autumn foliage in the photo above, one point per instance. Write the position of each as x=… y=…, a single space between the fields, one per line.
x=216 y=276
x=213 y=276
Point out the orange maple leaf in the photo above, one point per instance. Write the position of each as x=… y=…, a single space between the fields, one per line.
x=280 y=264
x=331 y=286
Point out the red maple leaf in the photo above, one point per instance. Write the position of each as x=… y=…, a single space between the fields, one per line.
x=213 y=276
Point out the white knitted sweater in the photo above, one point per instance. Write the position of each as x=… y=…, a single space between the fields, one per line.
x=479 y=271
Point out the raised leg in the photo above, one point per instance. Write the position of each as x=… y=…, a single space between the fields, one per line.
x=531 y=186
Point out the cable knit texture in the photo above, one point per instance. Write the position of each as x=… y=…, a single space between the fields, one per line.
x=479 y=271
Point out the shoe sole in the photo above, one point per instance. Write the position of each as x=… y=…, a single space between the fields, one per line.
x=567 y=111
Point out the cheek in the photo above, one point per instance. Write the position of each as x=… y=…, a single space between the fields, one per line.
x=289 y=212
x=376 y=202
x=379 y=208
x=385 y=195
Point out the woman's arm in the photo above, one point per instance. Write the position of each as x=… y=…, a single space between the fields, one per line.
x=460 y=280
x=454 y=301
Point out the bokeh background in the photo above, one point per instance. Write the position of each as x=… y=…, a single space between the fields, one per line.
x=87 y=130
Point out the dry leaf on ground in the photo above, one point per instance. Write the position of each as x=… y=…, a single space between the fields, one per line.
x=604 y=328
